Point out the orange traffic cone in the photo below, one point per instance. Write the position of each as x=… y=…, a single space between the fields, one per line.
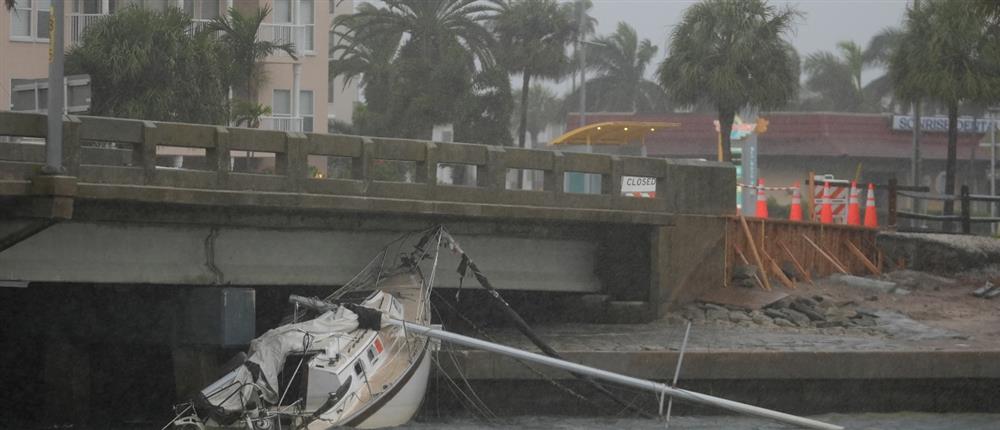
x=871 y=219
x=795 y=213
x=825 y=211
x=761 y=200
x=853 y=206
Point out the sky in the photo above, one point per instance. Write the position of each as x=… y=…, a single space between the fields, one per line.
x=825 y=22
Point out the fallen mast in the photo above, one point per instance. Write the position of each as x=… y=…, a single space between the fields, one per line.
x=661 y=389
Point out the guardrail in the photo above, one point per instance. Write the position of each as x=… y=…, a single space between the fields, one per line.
x=965 y=199
x=117 y=159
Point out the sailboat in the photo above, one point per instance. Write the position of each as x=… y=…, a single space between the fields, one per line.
x=338 y=361
x=366 y=363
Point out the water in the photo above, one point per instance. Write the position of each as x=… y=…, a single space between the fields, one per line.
x=893 y=421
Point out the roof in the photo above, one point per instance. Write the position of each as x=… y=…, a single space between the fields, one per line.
x=612 y=132
x=824 y=134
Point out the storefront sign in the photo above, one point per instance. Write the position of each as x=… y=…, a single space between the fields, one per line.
x=940 y=124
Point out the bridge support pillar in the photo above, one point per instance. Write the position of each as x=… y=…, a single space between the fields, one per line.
x=687 y=258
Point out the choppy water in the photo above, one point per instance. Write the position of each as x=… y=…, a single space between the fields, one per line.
x=894 y=421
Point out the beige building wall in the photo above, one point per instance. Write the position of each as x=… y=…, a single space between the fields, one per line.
x=27 y=58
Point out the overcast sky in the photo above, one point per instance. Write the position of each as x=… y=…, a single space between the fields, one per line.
x=825 y=22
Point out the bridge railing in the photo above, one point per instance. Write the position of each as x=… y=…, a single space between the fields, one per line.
x=118 y=158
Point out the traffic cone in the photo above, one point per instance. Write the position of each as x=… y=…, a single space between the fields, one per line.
x=825 y=211
x=795 y=213
x=871 y=219
x=853 y=206
x=761 y=200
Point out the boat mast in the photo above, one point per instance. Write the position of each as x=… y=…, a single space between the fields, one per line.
x=655 y=387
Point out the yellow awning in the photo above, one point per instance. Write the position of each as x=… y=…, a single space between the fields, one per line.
x=612 y=133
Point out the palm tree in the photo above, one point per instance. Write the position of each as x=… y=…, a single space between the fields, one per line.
x=533 y=35
x=147 y=64
x=837 y=79
x=445 y=43
x=428 y=25
x=544 y=108
x=369 y=59
x=238 y=33
x=877 y=54
x=620 y=61
x=732 y=54
x=947 y=52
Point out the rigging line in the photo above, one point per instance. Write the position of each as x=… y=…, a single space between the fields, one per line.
x=526 y=330
x=527 y=365
x=485 y=413
x=465 y=380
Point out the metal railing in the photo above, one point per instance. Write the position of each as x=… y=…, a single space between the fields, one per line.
x=964 y=218
x=281 y=34
x=281 y=123
x=79 y=23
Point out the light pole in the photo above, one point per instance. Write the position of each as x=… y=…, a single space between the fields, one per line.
x=53 y=139
x=993 y=164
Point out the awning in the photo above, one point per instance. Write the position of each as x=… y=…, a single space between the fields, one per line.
x=612 y=133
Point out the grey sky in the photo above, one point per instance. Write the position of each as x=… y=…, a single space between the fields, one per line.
x=825 y=23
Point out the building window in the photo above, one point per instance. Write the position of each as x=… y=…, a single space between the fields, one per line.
x=282 y=13
x=306 y=109
x=307 y=19
x=281 y=103
x=29 y=21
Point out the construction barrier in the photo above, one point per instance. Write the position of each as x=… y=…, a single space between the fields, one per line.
x=853 y=209
x=761 y=200
x=795 y=212
x=871 y=218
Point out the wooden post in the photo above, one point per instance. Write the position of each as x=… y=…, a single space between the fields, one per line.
x=810 y=193
x=892 y=204
x=756 y=255
x=966 y=211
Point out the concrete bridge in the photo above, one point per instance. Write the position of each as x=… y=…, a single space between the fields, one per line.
x=119 y=217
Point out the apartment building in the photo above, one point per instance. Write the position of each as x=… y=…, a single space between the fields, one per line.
x=298 y=91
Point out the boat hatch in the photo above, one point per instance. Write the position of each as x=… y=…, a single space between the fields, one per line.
x=292 y=382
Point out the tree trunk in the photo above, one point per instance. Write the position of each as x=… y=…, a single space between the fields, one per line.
x=726 y=117
x=523 y=128
x=949 y=169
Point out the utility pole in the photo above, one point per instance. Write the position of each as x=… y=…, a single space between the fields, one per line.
x=993 y=165
x=582 y=60
x=915 y=163
x=54 y=137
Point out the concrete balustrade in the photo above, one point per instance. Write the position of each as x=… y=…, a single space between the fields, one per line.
x=128 y=170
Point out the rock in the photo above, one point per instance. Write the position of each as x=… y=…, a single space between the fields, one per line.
x=744 y=271
x=781 y=304
x=864 y=283
x=790 y=270
x=720 y=314
x=829 y=324
x=915 y=280
x=781 y=322
x=800 y=319
x=900 y=291
x=759 y=318
x=694 y=314
x=738 y=316
x=774 y=313
x=867 y=312
x=872 y=298
x=711 y=306
x=807 y=310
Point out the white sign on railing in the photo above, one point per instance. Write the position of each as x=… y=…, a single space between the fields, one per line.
x=940 y=124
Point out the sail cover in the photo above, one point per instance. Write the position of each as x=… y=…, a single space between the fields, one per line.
x=228 y=396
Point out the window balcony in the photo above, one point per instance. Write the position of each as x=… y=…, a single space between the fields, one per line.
x=79 y=22
x=281 y=123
